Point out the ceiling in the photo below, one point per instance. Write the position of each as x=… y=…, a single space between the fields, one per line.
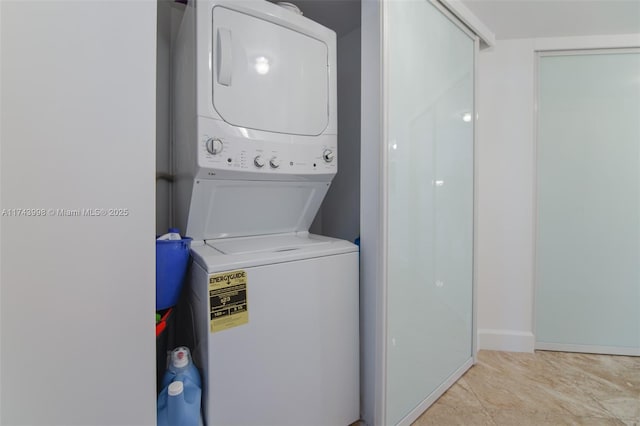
x=507 y=18
x=557 y=18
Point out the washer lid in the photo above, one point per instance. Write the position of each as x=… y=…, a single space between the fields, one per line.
x=267 y=76
x=245 y=252
x=268 y=243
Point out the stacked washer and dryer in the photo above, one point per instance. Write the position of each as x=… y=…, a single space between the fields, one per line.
x=255 y=149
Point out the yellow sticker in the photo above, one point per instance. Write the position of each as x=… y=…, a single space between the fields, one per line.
x=228 y=300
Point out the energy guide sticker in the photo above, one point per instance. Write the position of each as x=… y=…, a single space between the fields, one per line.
x=228 y=300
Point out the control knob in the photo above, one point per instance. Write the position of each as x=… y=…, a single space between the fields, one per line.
x=214 y=146
x=274 y=162
x=259 y=161
x=328 y=155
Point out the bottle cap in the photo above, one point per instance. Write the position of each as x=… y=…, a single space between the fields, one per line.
x=175 y=388
x=180 y=357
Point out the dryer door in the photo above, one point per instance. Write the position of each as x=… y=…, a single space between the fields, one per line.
x=268 y=77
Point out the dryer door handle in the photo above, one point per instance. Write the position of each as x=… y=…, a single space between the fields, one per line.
x=224 y=56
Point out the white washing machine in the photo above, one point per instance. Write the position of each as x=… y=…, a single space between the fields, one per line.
x=277 y=326
x=255 y=150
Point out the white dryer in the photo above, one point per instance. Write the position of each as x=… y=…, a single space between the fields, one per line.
x=255 y=149
x=255 y=127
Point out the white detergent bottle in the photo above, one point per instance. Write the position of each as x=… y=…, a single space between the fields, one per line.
x=172 y=234
x=181 y=367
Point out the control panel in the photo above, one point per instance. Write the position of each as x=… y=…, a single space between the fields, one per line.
x=220 y=152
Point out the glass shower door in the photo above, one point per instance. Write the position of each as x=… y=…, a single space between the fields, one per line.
x=430 y=202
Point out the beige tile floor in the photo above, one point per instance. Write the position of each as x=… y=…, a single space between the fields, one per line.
x=544 y=388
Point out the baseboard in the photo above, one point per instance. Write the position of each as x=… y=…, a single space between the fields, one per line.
x=589 y=349
x=505 y=340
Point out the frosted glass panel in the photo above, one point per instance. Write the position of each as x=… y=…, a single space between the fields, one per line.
x=430 y=203
x=588 y=243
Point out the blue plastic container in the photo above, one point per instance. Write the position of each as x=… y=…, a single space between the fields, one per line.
x=179 y=405
x=172 y=259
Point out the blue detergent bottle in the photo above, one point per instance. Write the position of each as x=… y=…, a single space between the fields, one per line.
x=179 y=404
x=181 y=367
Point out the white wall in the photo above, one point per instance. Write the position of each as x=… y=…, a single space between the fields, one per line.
x=78 y=131
x=505 y=200
x=506 y=164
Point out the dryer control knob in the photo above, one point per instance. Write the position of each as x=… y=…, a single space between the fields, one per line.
x=214 y=146
x=328 y=155
x=274 y=162
x=259 y=161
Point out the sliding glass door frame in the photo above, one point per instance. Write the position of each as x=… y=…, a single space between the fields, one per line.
x=382 y=362
x=539 y=54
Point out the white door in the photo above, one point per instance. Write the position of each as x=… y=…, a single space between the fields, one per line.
x=588 y=202
x=268 y=77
